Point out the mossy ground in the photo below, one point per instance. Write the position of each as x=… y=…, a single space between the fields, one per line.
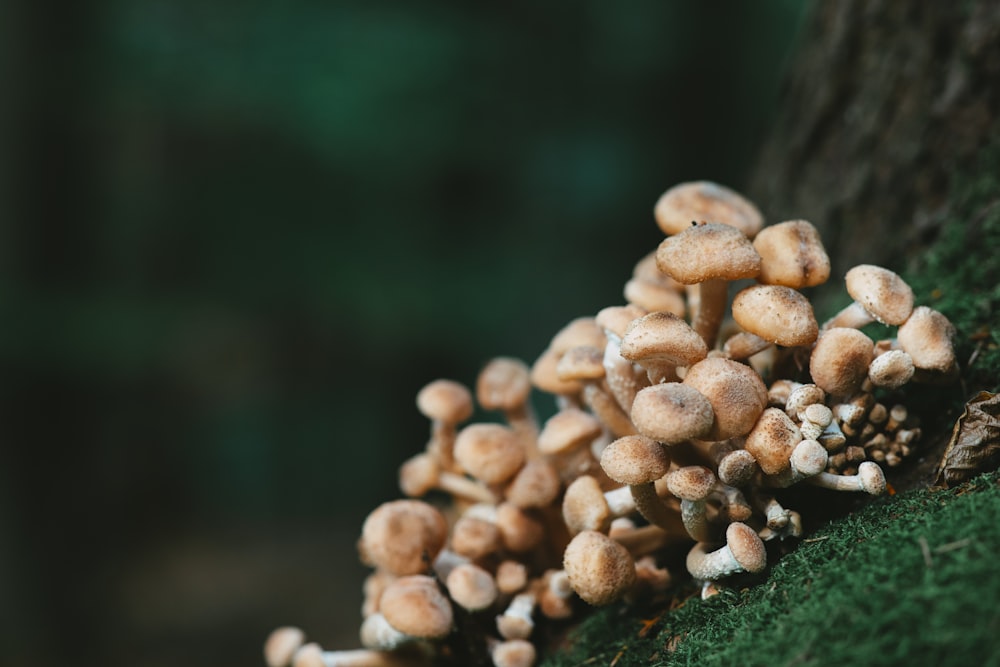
x=906 y=579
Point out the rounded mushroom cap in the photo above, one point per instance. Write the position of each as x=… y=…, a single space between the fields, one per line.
x=708 y=202
x=776 y=313
x=706 y=252
x=662 y=339
x=672 y=412
x=654 y=297
x=737 y=468
x=635 y=459
x=839 y=362
x=584 y=506
x=511 y=576
x=400 y=536
x=736 y=392
x=310 y=655
x=513 y=653
x=474 y=538
x=615 y=319
x=471 y=587
x=446 y=401
x=281 y=646
x=809 y=457
x=772 y=440
x=489 y=452
x=519 y=531
x=418 y=475
x=881 y=292
x=926 y=337
x=691 y=482
x=566 y=430
x=792 y=254
x=503 y=384
x=891 y=370
x=416 y=607
x=581 y=363
x=581 y=331
x=872 y=478
x=535 y=485
x=600 y=570
x=746 y=547
x=545 y=376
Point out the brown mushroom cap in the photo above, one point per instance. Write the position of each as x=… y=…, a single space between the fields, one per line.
x=840 y=360
x=705 y=201
x=776 y=313
x=881 y=292
x=654 y=297
x=926 y=337
x=581 y=331
x=519 y=531
x=792 y=254
x=736 y=392
x=399 y=535
x=772 y=441
x=581 y=363
x=471 y=587
x=891 y=369
x=489 y=452
x=545 y=376
x=503 y=384
x=513 y=653
x=662 y=339
x=416 y=607
x=445 y=400
x=600 y=569
x=746 y=547
x=635 y=459
x=691 y=482
x=584 y=506
x=672 y=412
x=706 y=252
x=566 y=430
x=474 y=538
x=537 y=484
x=617 y=318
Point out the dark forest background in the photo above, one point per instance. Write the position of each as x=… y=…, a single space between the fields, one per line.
x=236 y=238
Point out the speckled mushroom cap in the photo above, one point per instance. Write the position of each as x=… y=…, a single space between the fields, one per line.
x=581 y=363
x=662 y=338
x=489 y=452
x=926 y=337
x=871 y=478
x=416 y=607
x=635 y=459
x=737 y=468
x=736 y=392
x=398 y=535
x=566 y=430
x=503 y=384
x=471 y=587
x=881 y=292
x=445 y=400
x=691 y=482
x=672 y=412
x=706 y=252
x=839 y=362
x=772 y=441
x=584 y=506
x=891 y=369
x=776 y=313
x=617 y=318
x=600 y=569
x=792 y=254
x=704 y=201
x=746 y=547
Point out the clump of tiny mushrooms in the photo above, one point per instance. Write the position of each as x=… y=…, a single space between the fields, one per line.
x=673 y=426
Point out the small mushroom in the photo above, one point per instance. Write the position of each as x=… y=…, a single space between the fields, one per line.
x=693 y=485
x=660 y=342
x=926 y=336
x=744 y=552
x=400 y=536
x=869 y=479
x=471 y=587
x=516 y=621
x=891 y=370
x=446 y=403
x=638 y=461
x=772 y=440
x=839 y=362
x=792 y=254
x=736 y=392
x=878 y=293
x=505 y=384
x=312 y=655
x=281 y=645
x=491 y=453
x=709 y=202
x=672 y=412
x=776 y=313
x=422 y=473
x=600 y=569
x=512 y=653
x=411 y=608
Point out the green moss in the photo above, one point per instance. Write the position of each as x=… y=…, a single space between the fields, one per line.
x=908 y=579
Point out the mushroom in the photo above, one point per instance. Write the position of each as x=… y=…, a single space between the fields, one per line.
x=654 y=291
x=564 y=438
x=840 y=360
x=891 y=370
x=926 y=336
x=536 y=484
x=693 y=484
x=403 y=536
x=638 y=461
x=586 y=506
x=672 y=412
x=777 y=314
x=869 y=479
x=660 y=342
x=516 y=621
x=505 y=384
x=512 y=653
x=878 y=293
x=511 y=576
x=619 y=373
x=709 y=255
x=471 y=587
x=600 y=569
x=475 y=536
x=735 y=391
x=446 y=403
x=744 y=552
x=792 y=254
x=772 y=440
x=709 y=202
x=312 y=655
x=491 y=453
x=422 y=473
x=281 y=645
x=808 y=458
x=585 y=364
x=411 y=608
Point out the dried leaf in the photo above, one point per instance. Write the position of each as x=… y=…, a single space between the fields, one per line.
x=975 y=441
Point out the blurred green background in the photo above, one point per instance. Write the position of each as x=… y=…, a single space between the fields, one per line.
x=236 y=238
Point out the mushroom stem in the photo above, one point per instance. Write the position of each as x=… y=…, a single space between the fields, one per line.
x=516 y=622
x=869 y=479
x=652 y=507
x=743 y=552
x=377 y=633
x=607 y=410
x=619 y=374
x=707 y=317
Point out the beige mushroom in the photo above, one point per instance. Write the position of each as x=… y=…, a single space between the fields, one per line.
x=891 y=370
x=704 y=201
x=600 y=569
x=660 y=342
x=504 y=384
x=878 y=293
x=471 y=587
x=447 y=404
x=772 y=440
x=400 y=535
x=840 y=360
x=312 y=655
x=792 y=254
x=926 y=336
x=672 y=412
x=638 y=462
x=411 y=607
x=736 y=392
x=709 y=255
x=744 y=552
x=776 y=313
x=422 y=473
x=491 y=453
x=654 y=291
x=281 y=645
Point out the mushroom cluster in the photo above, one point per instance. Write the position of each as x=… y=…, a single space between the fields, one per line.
x=675 y=426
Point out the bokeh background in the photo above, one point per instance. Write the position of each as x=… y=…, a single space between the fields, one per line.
x=236 y=238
